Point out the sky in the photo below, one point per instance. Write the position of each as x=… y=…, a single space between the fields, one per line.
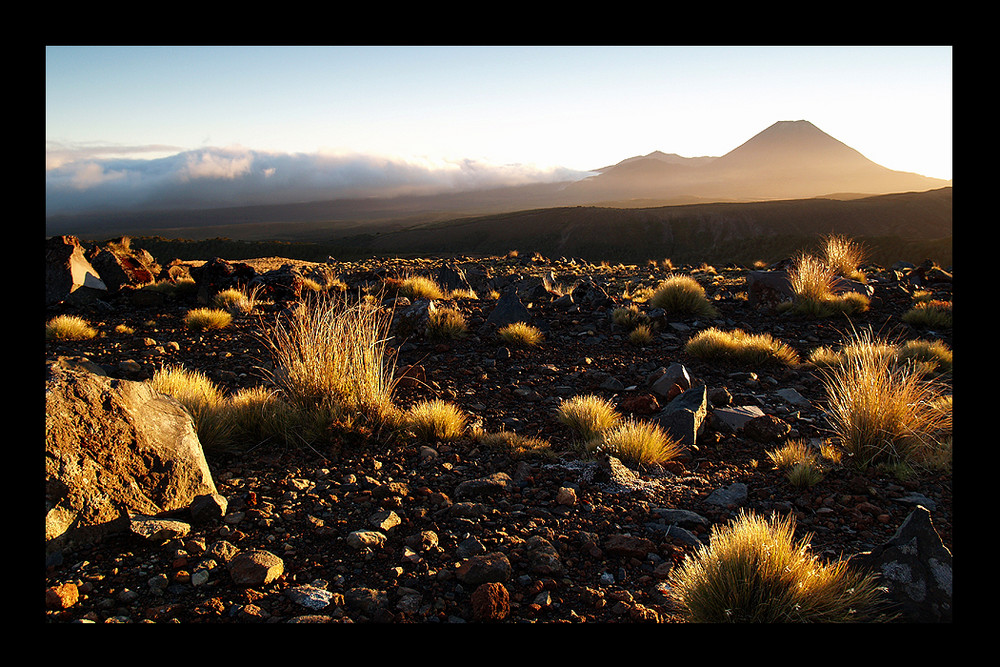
x=228 y=125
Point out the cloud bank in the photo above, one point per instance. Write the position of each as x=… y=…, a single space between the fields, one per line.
x=89 y=181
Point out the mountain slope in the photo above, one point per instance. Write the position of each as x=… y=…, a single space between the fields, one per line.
x=789 y=159
x=679 y=232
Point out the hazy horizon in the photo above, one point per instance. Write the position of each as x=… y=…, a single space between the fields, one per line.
x=188 y=126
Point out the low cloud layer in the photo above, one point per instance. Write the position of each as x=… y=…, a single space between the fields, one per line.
x=85 y=181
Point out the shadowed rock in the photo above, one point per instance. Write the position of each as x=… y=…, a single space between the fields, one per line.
x=916 y=567
x=68 y=274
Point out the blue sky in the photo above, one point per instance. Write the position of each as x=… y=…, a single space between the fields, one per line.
x=123 y=120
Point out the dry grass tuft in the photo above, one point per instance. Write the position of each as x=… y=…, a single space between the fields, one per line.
x=844 y=256
x=331 y=352
x=435 y=420
x=521 y=335
x=884 y=410
x=931 y=314
x=754 y=571
x=588 y=417
x=640 y=443
x=812 y=281
x=515 y=444
x=641 y=335
x=739 y=347
x=447 y=323
x=69 y=327
x=205 y=319
x=680 y=294
x=237 y=301
x=420 y=287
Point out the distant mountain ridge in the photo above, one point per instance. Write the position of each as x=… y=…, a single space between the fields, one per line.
x=788 y=160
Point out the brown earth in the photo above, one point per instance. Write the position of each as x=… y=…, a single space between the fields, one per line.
x=301 y=503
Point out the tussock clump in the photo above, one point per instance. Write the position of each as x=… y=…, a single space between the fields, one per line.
x=930 y=356
x=446 y=323
x=754 y=571
x=932 y=314
x=435 y=420
x=521 y=335
x=812 y=280
x=640 y=443
x=205 y=319
x=515 y=444
x=629 y=317
x=237 y=301
x=739 y=347
x=682 y=295
x=69 y=327
x=641 y=335
x=332 y=352
x=419 y=287
x=884 y=411
x=803 y=465
x=588 y=417
x=844 y=256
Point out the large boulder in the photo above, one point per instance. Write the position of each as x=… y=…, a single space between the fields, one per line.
x=68 y=274
x=120 y=265
x=217 y=275
x=915 y=566
x=114 y=449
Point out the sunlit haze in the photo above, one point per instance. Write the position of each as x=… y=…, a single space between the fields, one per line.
x=405 y=116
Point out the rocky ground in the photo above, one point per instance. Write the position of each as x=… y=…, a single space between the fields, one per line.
x=570 y=545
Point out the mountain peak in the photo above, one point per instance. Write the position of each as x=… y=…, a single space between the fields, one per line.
x=791 y=144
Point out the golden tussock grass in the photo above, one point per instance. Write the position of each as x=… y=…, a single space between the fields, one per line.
x=754 y=571
x=435 y=420
x=844 y=256
x=330 y=351
x=812 y=280
x=680 y=294
x=739 y=347
x=202 y=398
x=205 y=319
x=883 y=409
x=446 y=323
x=588 y=417
x=640 y=443
x=521 y=334
x=930 y=314
x=69 y=327
x=237 y=301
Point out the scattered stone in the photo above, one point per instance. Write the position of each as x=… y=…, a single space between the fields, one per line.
x=485 y=568
x=508 y=310
x=311 y=597
x=154 y=529
x=733 y=419
x=917 y=568
x=62 y=596
x=255 y=568
x=684 y=417
x=732 y=495
x=766 y=429
x=365 y=539
x=490 y=602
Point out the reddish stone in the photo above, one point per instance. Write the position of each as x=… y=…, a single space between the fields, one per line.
x=62 y=596
x=642 y=404
x=490 y=602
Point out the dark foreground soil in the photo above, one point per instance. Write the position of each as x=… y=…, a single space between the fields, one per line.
x=300 y=503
